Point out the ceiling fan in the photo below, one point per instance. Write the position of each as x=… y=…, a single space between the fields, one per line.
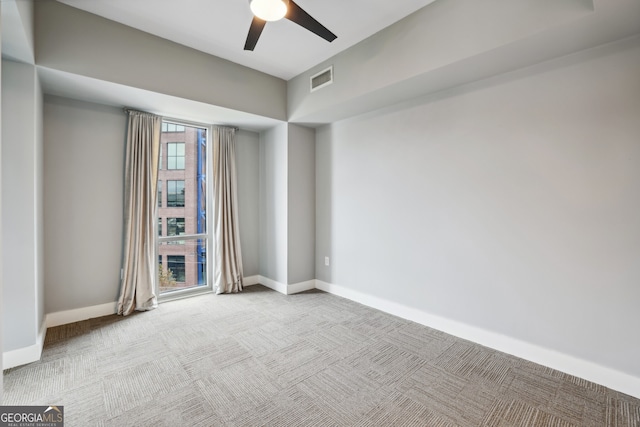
x=273 y=10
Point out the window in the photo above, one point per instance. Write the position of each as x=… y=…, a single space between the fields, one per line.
x=172 y=127
x=183 y=203
x=159 y=226
x=175 y=263
x=175 y=226
x=175 y=155
x=175 y=194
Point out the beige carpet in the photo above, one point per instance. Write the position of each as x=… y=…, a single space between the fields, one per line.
x=312 y=359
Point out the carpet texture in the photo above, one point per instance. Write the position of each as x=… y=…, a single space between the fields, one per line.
x=311 y=359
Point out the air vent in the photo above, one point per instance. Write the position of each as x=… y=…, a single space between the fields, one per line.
x=322 y=79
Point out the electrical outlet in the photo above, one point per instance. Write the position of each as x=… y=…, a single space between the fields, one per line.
x=326 y=261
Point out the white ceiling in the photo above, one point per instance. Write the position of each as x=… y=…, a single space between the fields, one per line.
x=219 y=27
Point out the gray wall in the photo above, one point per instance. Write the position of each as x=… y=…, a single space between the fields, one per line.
x=78 y=42
x=287 y=204
x=17 y=40
x=247 y=164
x=510 y=205
x=1 y=233
x=273 y=203
x=39 y=202
x=301 y=204
x=84 y=167
x=22 y=238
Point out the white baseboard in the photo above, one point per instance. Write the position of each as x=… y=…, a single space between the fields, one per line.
x=251 y=280
x=272 y=284
x=30 y=354
x=590 y=371
x=76 y=315
x=287 y=289
x=301 y=287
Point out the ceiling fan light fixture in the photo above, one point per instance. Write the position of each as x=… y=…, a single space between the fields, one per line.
x=269 y=10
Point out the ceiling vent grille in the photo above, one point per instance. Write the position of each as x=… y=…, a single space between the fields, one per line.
x=322 y=79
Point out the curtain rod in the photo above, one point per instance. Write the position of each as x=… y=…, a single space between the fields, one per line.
x=133 y=110
x=128 y=110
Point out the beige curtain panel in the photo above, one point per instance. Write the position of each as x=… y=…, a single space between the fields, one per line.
x=228 y=257
x=137 y=290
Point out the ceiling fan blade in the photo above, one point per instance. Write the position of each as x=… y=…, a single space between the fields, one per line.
x=302 y=18
x=257 y=25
